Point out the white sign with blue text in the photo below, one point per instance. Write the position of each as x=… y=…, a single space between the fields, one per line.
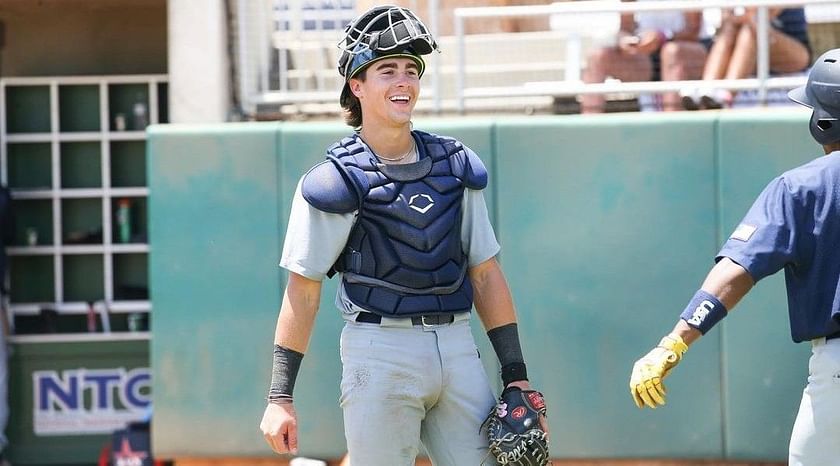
x=89 y=401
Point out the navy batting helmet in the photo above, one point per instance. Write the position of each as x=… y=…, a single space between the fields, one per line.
x=822 y=93
x=383 y=31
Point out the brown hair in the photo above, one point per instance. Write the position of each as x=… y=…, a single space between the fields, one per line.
x=351 y=105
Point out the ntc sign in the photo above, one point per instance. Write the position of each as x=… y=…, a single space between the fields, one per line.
x=89 y=401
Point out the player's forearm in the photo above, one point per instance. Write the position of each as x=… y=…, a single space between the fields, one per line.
x=688 y=334
x=728 y=282
x=291 y=337
x=494 y=305
x=297 y=313
x=491 y=295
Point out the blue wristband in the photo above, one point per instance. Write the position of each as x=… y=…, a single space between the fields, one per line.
x=703 y=311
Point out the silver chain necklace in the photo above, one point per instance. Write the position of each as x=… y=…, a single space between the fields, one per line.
x=397 y=159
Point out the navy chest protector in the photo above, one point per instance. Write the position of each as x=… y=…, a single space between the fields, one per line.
x=404 y=255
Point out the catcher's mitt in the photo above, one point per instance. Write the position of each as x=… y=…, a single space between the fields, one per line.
x=514 y=431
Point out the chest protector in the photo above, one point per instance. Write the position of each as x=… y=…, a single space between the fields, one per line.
x=404 y=254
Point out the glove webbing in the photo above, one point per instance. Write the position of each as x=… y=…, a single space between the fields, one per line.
x=531 y=441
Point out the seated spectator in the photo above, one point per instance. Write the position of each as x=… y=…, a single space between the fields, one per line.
x=733 y=53
x=651 y=46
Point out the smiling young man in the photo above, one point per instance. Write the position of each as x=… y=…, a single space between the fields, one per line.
x=400 y=215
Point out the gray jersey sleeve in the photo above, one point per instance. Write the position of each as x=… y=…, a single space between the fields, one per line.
x=477 y=237
x=314 y=239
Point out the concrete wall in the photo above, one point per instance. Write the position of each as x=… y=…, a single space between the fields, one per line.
x=199 y=71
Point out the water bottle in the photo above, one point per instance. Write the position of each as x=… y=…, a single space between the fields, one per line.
x=91 y=318
x=140 y=114
x=124 y=220
x=135 y=322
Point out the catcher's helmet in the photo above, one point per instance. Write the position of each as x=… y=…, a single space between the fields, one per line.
x=382 y=31
x=822 y=93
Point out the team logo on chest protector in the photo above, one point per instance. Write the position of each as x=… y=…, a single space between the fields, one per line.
x=421 y=202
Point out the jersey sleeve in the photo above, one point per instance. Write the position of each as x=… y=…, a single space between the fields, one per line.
x=478 y=240
x=765 y=240
x=314 y=238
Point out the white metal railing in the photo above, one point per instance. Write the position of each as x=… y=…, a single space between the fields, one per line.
x=303 y=36
x=761 y=83
x=270 y=84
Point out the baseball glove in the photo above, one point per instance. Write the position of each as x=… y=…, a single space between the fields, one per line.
x=513 y=429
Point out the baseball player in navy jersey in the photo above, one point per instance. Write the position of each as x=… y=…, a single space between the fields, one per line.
x=793 y=225
x=400 y=216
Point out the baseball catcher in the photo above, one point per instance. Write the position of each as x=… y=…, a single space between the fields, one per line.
x=514 y=429
x=399 y=215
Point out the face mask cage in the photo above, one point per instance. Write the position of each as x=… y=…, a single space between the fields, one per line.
x=390 y=30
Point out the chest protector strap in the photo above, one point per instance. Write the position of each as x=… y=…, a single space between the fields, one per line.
x=355 y=278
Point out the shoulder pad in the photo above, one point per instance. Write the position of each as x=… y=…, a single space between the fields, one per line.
x=327 y=190
x=438 y=147
x=467 y=166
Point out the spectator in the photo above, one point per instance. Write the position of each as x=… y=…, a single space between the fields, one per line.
x=651 y=46
x=733 y=53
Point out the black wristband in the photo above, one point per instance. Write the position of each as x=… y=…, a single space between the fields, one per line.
x=514 y=372
x=505 y=340
x=284 y=371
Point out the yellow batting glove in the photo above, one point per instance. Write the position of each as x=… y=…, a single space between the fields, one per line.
x=648 y=372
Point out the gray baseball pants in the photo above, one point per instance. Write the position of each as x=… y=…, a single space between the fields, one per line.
x=404 y=384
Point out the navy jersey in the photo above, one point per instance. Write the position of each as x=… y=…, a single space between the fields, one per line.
x=795 y=224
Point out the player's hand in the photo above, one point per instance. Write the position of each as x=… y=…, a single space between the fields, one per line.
x=646 y=380
x=279 y=427
x=525 y=385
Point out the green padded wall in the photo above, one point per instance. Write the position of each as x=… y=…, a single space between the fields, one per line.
x=317 y=389
x=608 y=225
x=214 y=231
x=601 y=258
x=764 y=372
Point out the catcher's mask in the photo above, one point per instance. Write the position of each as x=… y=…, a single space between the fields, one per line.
x=383 y=31
x=822 y=93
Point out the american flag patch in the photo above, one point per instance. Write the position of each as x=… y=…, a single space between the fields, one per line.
x=743 y=232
